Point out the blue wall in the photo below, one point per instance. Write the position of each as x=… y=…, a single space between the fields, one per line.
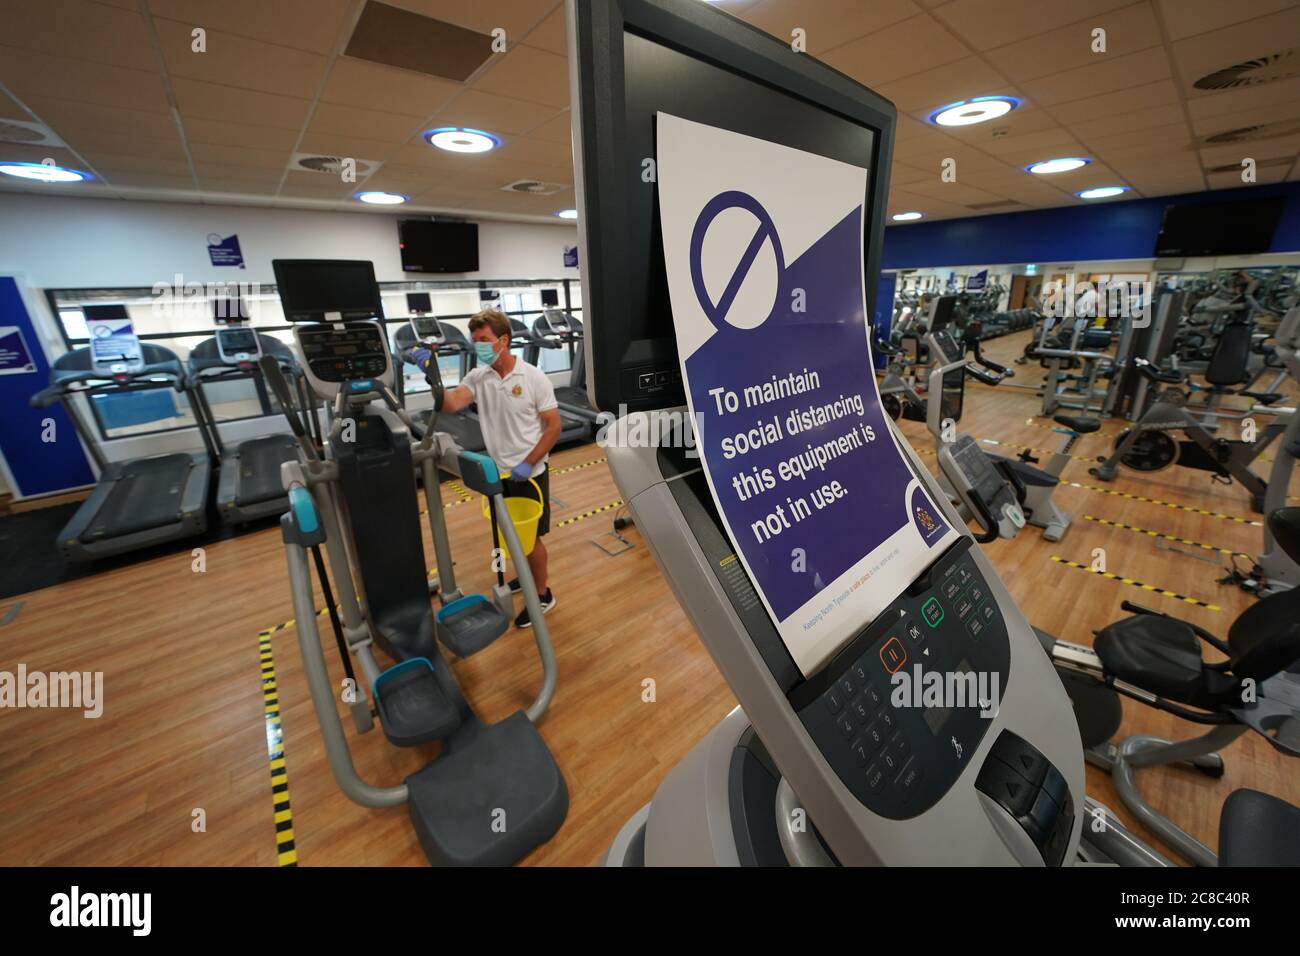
x=1088 y=231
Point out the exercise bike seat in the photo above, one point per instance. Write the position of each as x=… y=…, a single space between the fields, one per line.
x=1264 y=398
x=1162 y=655
x=1082 y=424
x=492 y=796
x=1256 y=829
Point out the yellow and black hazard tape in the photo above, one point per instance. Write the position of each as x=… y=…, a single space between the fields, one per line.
x=1137 y=584
x=461 y=491
x=586 y=464
x=617 y=503
x=1167 y=537
x=1237 y=519
x=285 y=850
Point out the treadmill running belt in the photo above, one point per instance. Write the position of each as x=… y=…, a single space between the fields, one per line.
x=572 y=395
x=146 y=495
x=464 y=431
x=259 y=468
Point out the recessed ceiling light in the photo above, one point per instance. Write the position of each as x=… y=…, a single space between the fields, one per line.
x=376 y=198
x=905 y=216
x=456 y=139
x=43 y=172
x=1102 y=192
x=568 y=214
x=978 y=110
x=1064 y=165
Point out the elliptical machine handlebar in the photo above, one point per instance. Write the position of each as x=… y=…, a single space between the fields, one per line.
x=274 y=376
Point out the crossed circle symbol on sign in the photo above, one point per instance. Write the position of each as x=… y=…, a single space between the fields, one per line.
x=732 y=199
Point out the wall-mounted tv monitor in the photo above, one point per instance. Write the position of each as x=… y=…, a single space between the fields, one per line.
x=310 y=288
x=550 y=297
x=419 y=302
x=1219 y=228
x=429 y=246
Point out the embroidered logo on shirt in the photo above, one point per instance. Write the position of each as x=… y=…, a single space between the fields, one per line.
x=517 y=391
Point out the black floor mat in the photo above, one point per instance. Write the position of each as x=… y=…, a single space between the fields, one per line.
x=29 y=560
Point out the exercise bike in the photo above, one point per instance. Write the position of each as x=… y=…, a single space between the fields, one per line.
x=1148 y=446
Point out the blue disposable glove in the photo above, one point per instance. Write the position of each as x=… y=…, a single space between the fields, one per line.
x=521 y=472
x=417 y=356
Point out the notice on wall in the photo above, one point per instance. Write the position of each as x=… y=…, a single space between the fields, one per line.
x=571 y=257
x=225 y=251
x=15 y=356
x=763 y=246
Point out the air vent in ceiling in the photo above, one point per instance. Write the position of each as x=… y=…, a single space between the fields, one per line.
x=1264 y=69
x=409 y=41
x=30 y=134
x=999 y=204
x=533 y=186
x=331 y=165
x=1261 y=131
x=1262 y=164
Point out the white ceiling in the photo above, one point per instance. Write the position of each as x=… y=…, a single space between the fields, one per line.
x=118 y=85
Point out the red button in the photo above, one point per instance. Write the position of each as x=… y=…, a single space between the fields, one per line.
x=893 y=655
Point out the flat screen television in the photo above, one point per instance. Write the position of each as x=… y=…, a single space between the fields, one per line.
x=419 y=302
x=429 y=246
x=550 y=297
x=1219 y=228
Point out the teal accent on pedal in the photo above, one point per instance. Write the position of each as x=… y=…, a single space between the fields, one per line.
x=460 y=604
x=365 y=385
x=304 y=510
x=397 y=669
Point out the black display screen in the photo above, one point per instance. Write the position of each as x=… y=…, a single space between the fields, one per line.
x=429 y=246
x=310 y=288
x=419 y=302
x=1220 y=228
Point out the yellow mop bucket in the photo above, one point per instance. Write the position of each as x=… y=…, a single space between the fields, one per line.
x=525 y=513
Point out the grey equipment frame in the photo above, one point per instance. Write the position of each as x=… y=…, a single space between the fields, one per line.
x=964 y=826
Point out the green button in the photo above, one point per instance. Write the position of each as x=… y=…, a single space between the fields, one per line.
x=928 y=614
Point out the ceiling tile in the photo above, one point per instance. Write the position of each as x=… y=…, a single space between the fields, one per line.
x=1185 y=18
x=230 y=173
x=126 y=145
x=891 y=53
x=315 y=184
x=58 y=27
x=550 y=34
x=357 y=83
x=1257 y=150
x=1231 y=103
x=68 y=118
x=1118 y=102
x=223 y=133
x=1229 y=45
x=40 y=75
x=556 y=130
x=169 y=165
x=1046 y=139
x=934 y=88
x=238 y=61
x=1271 y=174
x=528 y=150
x=147 y=179
x=313 y=25
x=334 y=144
x=1126 y=122
x=1128 y=30
x=516 y=17
x=530 y=74
x=986 y=24
x=1174 y=136
x=334 y=118
x=1113 y=73
x=240 y=155
x=827 y=23
x=497 y=114
x=10 y=109
x=209 y=101
x=235 y=187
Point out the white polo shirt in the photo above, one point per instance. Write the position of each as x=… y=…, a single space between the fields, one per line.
x=509 y=410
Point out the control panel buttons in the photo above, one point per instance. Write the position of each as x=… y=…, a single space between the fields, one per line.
x=860 y=750
x=975 y=626
x=901 y=747
x=889 y=763
x=859 y=710
x=875 y=736
x=964 y=606
x=859 y=674
x=989 y=611
x=911 y=778
x=846 y=687
x=875 y=778
x=932 y=611
x=847 y=727
x=952 y=586
x=893 y=655
x=888 y=721
x=834 y=702
x=872 y=696
x=914 y=631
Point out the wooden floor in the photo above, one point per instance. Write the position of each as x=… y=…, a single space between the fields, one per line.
x=183 y=727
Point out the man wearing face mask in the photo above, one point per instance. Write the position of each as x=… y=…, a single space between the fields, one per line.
x=520 y=420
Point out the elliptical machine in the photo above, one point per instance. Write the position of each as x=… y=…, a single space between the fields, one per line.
x=494 y=793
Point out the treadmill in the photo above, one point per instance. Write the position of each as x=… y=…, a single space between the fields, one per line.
x=444 y=339
x=248 y=486
x=805 y=744
x=556 y=329
x=574 y=427
x=139 y=502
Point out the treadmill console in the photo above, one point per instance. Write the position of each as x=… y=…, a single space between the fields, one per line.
x=428 y=331
x=118 y=354
x=334 y=353
x=947 y=346
x=874 y=712
x=981 y=488
x=238 y=345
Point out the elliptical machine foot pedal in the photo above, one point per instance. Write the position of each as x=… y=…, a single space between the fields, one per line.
x=412 y=706
x=491 y=798
x=469 y=624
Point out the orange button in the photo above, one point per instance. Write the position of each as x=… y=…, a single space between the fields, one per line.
x=893 y=655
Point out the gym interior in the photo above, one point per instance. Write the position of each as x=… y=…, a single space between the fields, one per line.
x=245 y=249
